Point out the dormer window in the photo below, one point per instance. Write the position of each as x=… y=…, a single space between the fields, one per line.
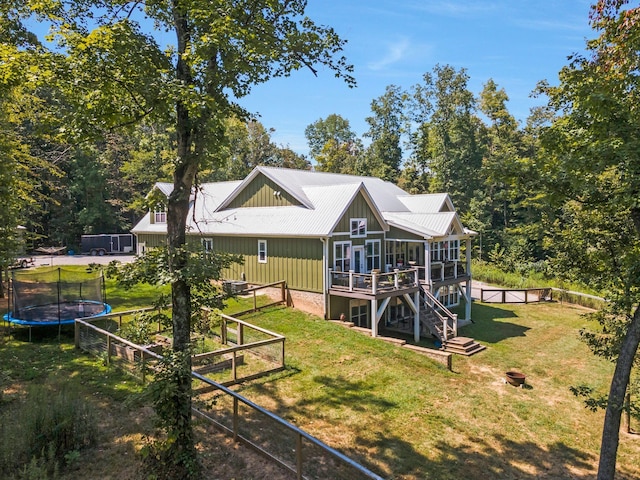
x=358 y=227
x=160 y=215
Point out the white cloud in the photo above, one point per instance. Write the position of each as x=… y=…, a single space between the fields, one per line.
x=395 y=52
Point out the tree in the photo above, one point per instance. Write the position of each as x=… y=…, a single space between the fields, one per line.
x=383 y=157
x=248 y=145
x=446 y=140
x=116 y=75
x=340 y=158
x=22 y=167
x=334 y=129
x=593 y=170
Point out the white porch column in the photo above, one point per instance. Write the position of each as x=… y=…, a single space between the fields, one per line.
x=467 y=310
x=416 y=324
x=427 y=263
x=374 y=318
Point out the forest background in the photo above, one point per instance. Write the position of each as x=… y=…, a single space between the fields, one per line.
x=436 y=136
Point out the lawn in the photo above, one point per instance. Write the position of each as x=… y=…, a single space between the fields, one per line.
x=395 y=411
x=406 y=417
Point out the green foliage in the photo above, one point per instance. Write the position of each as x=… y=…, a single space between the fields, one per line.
x=173 y=456
x=446 y=141
x=202 y=273
x=384 y=155
x=248 y=145
x=591 y=163
x=141 y=329
x=42 y=434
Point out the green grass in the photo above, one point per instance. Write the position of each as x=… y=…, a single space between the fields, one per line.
x=407 y=417
x=391 y=409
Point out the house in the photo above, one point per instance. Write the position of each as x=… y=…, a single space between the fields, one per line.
x=372 y=253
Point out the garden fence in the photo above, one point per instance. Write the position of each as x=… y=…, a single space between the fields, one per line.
x=283 y=443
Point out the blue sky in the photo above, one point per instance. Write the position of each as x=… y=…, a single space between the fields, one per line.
x=515 y=42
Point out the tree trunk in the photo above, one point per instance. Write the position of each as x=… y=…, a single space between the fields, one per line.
x=617 y=392
x=177 y=213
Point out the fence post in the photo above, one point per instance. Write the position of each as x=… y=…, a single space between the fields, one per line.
x=108 y=350
x=282 y=290
x=144 y=365
x=299 y=456
x=77 y=334
x=235 y=419
x=223 y=331
x=255 y=301
x=233 y=366
x=282 y=350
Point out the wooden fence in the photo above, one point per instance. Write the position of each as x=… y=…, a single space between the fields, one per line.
x=512 y=295
x=293 y=449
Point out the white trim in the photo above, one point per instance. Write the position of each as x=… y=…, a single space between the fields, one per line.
x=343 y=256
x=262 y=251
x=207 y=243
x=360 y=227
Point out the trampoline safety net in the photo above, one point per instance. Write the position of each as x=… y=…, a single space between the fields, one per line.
x=56 y=294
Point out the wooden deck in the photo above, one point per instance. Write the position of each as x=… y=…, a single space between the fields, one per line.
x=370 y=286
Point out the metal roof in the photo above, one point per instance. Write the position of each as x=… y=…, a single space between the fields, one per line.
x=428 y=203
x=325 y=198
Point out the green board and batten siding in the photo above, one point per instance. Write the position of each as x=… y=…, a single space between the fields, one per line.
x=395 y=233
x=359 y=208
x=261 y=193
x=296 y=260
x=152 y=240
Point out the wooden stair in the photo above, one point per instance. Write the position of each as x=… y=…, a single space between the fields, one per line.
x=462 y=346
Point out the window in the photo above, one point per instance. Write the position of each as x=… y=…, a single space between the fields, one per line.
x=373 y=254
x=342 y=256
x=454 y=250
x=359 y=313
x=435 y=251
x=262 y=251
x=358 y=227
x=207 y=244
x=449 y=296
x=160 y=215
x=389 y=256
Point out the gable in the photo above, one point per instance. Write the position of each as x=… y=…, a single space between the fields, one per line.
x=359 y=208
x=262 y=192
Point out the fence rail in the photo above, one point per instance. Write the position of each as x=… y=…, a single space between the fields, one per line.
x=293 y=449
x=532 y=295
x=515 y=295
x=283 y=443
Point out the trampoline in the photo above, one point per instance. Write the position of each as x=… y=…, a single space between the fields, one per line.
x=55 y=297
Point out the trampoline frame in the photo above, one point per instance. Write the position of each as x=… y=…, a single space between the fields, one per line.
x=59 y=321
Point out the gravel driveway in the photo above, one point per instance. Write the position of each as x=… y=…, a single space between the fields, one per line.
x=57 y=260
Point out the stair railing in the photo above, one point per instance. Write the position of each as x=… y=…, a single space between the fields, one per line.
x=449 y=320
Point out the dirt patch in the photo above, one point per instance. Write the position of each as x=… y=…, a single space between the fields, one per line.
x=307 y=302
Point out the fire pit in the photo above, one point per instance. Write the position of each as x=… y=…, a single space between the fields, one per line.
x=515 y=378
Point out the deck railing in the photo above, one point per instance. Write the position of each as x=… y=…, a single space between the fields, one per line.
x=374 y=282
x=448 y=270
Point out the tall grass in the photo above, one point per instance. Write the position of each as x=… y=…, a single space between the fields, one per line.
x=489 y=273
x=44 y=431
